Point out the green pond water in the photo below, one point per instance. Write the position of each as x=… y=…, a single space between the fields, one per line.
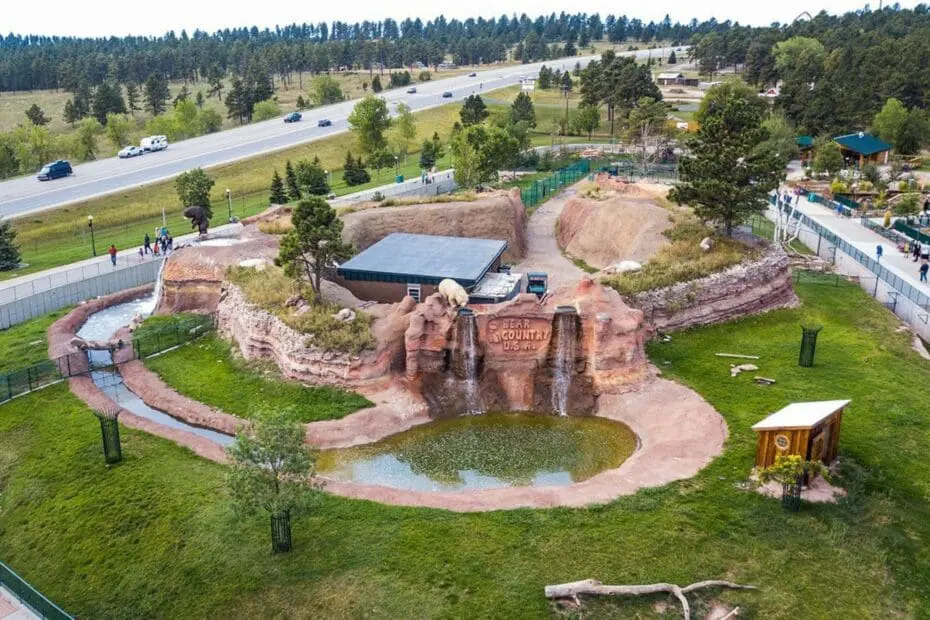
x=486 y=451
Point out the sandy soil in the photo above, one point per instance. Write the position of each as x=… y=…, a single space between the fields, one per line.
x=543 y=252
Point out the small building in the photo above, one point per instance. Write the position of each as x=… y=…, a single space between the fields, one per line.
x=805 y=146
x=404 y=264
x=811 y=430
x=675 y=79
x=496 y=287
x=863 y=148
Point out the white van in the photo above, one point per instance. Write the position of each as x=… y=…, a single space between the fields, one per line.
x=154 y=143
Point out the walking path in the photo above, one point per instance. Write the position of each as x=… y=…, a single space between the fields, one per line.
x=12 y=609
x=543 y=253
x=864 y=240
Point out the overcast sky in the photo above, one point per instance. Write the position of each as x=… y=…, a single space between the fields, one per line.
x=112 y=17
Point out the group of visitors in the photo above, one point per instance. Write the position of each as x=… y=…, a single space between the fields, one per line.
x=163 y=243
x=918 y=252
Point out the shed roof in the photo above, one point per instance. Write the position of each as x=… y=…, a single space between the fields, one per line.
x=862 y=143
x=801 y=415
x=805 y=141
x=670 y=76
x=424 y=259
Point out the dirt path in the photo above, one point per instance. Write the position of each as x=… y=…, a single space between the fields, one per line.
x=543 y=252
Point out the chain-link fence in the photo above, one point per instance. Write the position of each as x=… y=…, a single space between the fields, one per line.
x=541 y=189
x=146 y=343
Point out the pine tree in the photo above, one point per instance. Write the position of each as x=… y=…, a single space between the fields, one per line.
x=293 y=188
x=522 y=110
x=9 y=251
x=132 y=97
x=36 y=115
x=672 y=59
x=473 y=111
x=278 y=195
x=376 y=84
x=82 y=100
x=107 y=100
x=156 y=94
x=199 y=99
x=70 y=113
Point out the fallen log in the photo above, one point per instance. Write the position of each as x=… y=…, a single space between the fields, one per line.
x=595 y=588
x=737 y=355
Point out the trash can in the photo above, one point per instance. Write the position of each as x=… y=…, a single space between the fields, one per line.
x=808 y=344
x=399 y=178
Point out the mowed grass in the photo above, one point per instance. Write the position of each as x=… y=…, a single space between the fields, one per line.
x=156 y=537
x=60 y=236
x=26 y=344
x=207 y=370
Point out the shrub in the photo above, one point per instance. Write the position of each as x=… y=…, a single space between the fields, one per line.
x=838 y=187
x=425 y=76
x=265 y=110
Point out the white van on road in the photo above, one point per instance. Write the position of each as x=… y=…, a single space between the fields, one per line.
x=154 y=143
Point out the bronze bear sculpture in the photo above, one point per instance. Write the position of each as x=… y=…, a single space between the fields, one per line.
x=198 y=217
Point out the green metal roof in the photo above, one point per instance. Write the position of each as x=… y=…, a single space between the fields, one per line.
x=424 y=259
x=805 y=142
x=862 y=143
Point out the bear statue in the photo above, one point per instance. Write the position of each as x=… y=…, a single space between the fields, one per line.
x=198 y=217
x=454 y=293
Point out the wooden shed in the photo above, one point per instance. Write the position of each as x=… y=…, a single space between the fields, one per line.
x=810 y=430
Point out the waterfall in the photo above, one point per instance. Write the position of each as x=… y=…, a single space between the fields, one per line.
x=565 y=330
x=156 y=294
x=468 y=339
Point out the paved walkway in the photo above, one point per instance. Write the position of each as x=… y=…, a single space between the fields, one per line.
x=543 y=253
x=866 y=241
x=28 y=285
x=12 y=609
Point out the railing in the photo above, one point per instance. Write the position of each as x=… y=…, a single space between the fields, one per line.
x=541 y=189
x=29 y=596
x=48 y=372
x=910 y=231
x=830 y=204
x=848 y=202
x=888 y=277
x=887 y=233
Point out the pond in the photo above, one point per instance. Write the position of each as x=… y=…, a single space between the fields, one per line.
x=493 y=450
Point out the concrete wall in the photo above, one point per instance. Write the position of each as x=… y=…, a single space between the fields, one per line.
x=43 y=302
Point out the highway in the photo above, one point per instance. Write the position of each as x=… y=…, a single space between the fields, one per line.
x=27 y=194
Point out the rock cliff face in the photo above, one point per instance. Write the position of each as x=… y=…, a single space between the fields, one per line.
x=749 y=288
x=518 y=351
x=500 y=215
x=194 y=275
x=261 y=335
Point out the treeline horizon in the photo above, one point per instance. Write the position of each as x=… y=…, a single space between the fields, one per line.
x=36 y=62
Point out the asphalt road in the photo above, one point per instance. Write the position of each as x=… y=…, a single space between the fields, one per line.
x=27 y=194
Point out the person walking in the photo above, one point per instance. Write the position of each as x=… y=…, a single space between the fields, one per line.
x=878 y=252
x=112 y=253
x=924 y=267
x=155 y=249
x=916 y=250
x=141 y=255
x=147 y=243
x=164 y=244
x=170 y=242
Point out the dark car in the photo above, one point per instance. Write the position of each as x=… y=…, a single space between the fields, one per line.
x=324 y=122
x=293 y=117
x=447 y=95
x=55 y=170
x=472 y=74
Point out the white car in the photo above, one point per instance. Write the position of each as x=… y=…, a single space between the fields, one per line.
x=154 y=143
x=130 y=151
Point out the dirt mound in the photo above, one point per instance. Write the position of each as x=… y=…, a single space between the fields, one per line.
x=499 y=215
x=603 y=233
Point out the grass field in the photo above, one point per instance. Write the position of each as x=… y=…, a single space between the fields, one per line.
x=25 y=344
x=156 y=537
x=206 y=370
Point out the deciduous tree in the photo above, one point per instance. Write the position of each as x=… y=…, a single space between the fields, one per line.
x=311 y=178
x=85 y=139
x=827 y=156
x=119 y=127
x=193 y=188
x=272 y=471
x=325 y=90
x=369 y=120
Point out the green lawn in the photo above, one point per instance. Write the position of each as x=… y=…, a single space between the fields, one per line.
x=206 y=370
x=25 y=344
x=155 y=535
